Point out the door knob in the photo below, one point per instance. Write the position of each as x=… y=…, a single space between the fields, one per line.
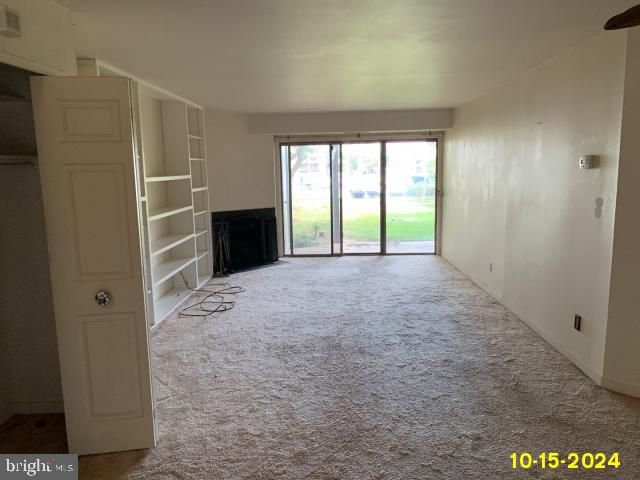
x=103 y=298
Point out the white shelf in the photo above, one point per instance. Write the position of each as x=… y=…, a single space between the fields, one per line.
x=168 y=302
x=166 y=270
x=166 y=243
x=158 y=213
x=202 y=279
x=173 y=175
x=167 y=178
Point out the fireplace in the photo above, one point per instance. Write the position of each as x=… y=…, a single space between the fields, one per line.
x=250 y=239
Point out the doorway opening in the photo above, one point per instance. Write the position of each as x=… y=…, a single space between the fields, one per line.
x=360 y=197
x=26 y=308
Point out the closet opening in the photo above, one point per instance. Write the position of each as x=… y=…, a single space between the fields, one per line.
x=30 y=383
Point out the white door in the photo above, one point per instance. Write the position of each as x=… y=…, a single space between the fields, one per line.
x=86 y=161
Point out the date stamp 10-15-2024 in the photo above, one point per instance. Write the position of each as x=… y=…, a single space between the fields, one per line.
x=572 y=460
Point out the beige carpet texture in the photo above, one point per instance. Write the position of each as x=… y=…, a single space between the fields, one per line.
x=392 y=367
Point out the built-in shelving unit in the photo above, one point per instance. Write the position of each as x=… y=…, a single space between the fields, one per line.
x=200 y=195
x=175 y=210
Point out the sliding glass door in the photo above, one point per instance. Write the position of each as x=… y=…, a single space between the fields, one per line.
x=359 y=197
x=410 y=196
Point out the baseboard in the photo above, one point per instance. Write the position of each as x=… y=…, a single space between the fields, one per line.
x=30 y=408
x=587 y=369
x=630 y=389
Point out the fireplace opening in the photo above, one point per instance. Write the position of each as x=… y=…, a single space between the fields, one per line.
x=250 y=239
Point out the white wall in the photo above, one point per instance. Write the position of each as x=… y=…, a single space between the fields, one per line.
x=515 y=198
x=46 y=44
x=622 y=359
x=240 y=165
x=347 y=122
x=26 y=306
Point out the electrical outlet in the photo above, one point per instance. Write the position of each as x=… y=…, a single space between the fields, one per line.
x=577 y=322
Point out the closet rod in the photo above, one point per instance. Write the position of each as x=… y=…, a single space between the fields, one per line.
x=18 y=160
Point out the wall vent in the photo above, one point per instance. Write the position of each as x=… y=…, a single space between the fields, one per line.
x=9 y=22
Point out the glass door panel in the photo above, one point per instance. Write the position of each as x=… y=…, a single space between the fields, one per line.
x=410 y=196
x=361 y=197
x=310 y=172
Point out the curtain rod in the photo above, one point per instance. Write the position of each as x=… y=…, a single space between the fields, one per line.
x=359 y=135
x=17 y=160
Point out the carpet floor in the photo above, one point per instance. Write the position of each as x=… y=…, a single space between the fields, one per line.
x=368 y=368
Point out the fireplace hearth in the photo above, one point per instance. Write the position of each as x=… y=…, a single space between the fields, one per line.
x=251 y=239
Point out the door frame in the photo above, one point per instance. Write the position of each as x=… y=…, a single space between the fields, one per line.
x=330 y=140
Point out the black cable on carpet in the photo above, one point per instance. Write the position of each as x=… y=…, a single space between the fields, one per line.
x=213 y=302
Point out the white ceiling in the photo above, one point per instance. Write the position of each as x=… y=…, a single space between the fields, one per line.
x=330 y=55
